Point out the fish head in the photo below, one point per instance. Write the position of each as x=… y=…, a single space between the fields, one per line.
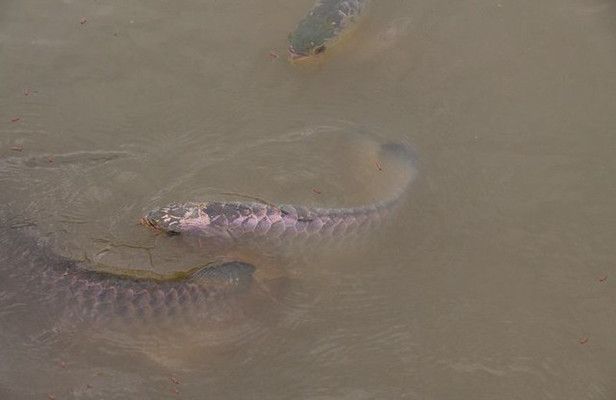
x=197 y=219
x=165 y=219
x=233 y=274
x=307 y=41
x=303 y=52
x=176 y=218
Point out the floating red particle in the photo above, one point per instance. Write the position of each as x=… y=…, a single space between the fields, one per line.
x=62 y=364
x=316 y=191
x=584 y=340
x=51 y=396
x=175 y=380
x=603 y=278
x=378 y=165
x=83 y=20
x=15 y=119
x=174 y=390
x=274 y=55
x=50 y=159
x=17 y=148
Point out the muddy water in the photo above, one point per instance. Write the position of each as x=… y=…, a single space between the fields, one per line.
x=493 y=279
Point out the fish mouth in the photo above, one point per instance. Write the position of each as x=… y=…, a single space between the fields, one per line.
x=297 y=56
x=150 y=223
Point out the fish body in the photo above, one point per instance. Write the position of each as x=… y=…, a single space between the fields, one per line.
x=232 y=220
x=229 y=220
x=91 y=294
x=323 y=26
x=71 y=287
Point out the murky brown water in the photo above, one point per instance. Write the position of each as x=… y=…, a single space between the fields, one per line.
x=494 y=280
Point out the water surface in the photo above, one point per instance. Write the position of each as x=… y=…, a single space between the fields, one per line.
x=495 y=278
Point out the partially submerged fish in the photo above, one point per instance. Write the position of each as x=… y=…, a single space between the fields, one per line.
x=94 y=295
x=232 y=220
x=70 y=287
x=324 y=25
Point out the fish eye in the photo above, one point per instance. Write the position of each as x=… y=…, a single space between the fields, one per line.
x=319 y=49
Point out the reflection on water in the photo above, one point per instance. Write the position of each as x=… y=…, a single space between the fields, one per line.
x=493 y=279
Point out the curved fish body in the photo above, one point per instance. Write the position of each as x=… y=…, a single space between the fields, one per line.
x=323 y=26
x=91 y=294
x=232 y=220
x=83 y=294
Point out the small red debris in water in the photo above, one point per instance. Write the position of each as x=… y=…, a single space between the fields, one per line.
x=378 y=165
x=174 y=390
x=274 y=55
x=15 y=119
x=18 y=148
x=83 y=20
x=27 y=92
x=584 y=340
x=51 y=396
x=50 y=159
x=316 y=191
x=62 y=364
x=603 y=279
x=174 y=380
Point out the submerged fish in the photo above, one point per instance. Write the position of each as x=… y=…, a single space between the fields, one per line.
x=92 y=294
x=231 y=220
x=323 y=26
x=70 y=287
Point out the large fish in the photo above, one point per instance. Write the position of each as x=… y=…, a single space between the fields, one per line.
x=232 y=220
x=71 y=287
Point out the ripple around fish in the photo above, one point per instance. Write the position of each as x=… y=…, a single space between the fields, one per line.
x=74 y=303
x=242 y=219
x=78 y=159
x=298 y=160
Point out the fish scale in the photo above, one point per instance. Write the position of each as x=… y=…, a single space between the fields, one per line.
x=231 y=220
x=94 y=295
x=263 y=220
